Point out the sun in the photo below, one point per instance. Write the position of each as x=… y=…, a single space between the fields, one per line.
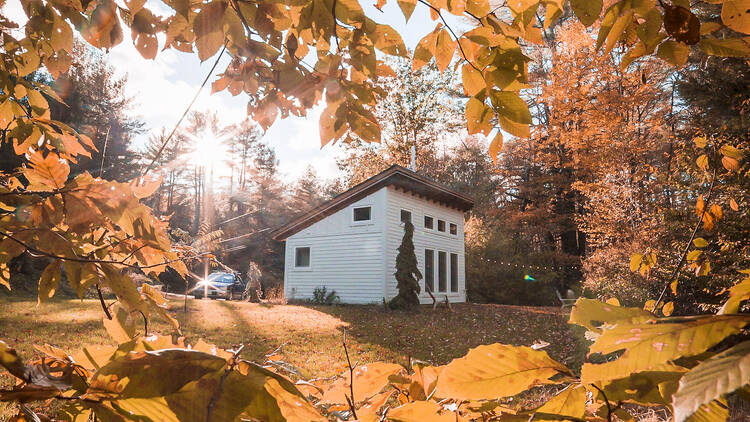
x=209 y=150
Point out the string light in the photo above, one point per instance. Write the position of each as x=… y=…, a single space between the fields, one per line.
x=533 y=267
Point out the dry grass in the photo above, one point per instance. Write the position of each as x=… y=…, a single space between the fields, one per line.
x=311 y=335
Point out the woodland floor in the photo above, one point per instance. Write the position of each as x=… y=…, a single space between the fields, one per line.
x=310 y=336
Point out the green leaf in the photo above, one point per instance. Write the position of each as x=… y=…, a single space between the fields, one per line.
x=729 y=47
x=587 y=11
x=496 y=370
x=711 y=379
x=649 y=344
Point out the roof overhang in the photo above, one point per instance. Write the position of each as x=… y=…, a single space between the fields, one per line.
x=396 y=176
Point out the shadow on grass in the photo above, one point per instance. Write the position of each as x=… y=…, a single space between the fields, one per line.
x=438 y=336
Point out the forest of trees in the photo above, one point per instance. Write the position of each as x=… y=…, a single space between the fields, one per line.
x=607 y=170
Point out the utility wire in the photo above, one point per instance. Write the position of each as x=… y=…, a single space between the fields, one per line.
x=244 y=235
x=166 y=141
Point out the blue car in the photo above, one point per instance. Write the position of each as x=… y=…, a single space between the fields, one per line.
x=220 y=285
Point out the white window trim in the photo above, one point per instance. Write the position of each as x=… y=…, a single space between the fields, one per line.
x=294 y=259
x=447 y=271
x=369 y=222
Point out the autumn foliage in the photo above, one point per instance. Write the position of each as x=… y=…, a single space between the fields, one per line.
x=91 y=230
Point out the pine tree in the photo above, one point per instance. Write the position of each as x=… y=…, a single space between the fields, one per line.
x=407 y=274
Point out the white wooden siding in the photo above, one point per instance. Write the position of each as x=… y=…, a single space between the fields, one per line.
x=345 y=256
x=424 y=239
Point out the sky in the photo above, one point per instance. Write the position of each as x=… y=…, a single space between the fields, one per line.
x=162 y=88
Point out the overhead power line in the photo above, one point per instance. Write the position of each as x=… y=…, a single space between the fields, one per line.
x=166 y=141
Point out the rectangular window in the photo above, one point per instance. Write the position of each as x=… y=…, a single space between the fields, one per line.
x=429 y=269
x=442 y=271
x=441 y=225
x=405 y=216
x=362 y=214
x=454 y=272
x=454 y=229
x=302 y=257
x=428 y=222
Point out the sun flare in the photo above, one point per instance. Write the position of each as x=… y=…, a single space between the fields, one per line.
x=209 y=150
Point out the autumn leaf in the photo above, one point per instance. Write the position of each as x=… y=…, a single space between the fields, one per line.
x=46 y=173
x=497 y=370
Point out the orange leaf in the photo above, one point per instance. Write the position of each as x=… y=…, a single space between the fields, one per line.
x=46 y=173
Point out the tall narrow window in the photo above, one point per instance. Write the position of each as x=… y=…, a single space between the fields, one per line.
x=442 y=271
x=405 y=216
x=428 y=222
x=429 y=269
x=441 y=225
x=362 y=214
x=454 y=272
x=453 y=229
x=302 y=257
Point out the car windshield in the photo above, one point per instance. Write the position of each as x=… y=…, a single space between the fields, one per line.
x=221 y=278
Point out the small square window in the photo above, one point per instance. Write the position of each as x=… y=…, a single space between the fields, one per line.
x=441 y=225
x=302 y=257
x=405 y=216
x=428 y=222
x=362 y=214
x=453 y=229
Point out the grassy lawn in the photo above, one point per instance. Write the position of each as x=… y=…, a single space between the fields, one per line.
x=310 y=336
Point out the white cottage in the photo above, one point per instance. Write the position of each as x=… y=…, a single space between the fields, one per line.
x=349 y=244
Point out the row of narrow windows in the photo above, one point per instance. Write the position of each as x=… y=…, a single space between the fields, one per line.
x=429 y=223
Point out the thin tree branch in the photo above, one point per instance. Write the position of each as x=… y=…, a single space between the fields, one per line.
x=169 y=137
x=609 y=407
x=350 y=400
x=690 y=241
x=445 y=23
x=101 y=300
x=217 y=392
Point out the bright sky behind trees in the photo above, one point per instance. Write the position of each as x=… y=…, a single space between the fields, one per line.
x=163 y=87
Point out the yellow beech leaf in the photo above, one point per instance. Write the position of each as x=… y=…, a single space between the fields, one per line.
x=635 y=261
x=591 y=313
x=444 y=49
x=700 y=242
x=5 y=275
x=421 y=411
x=570 y=402
x=425 y=50
x=472 y=80
x=737 y=294
x=730 y=163
x=700 y=142
x=718 y=375
x=46 y=173
x=208 y=28
x=478 y=7
x=667 y=309
x=496 y=370
x=587 y=11
x=478 y=116
x=649 y=344
x=735 y=15
x=496 y=145
x=407 y=7
x=702 y=162
x=673 y=52
x=613 y=301
x=368 y=381
x=727 y=47
x=49 y=281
